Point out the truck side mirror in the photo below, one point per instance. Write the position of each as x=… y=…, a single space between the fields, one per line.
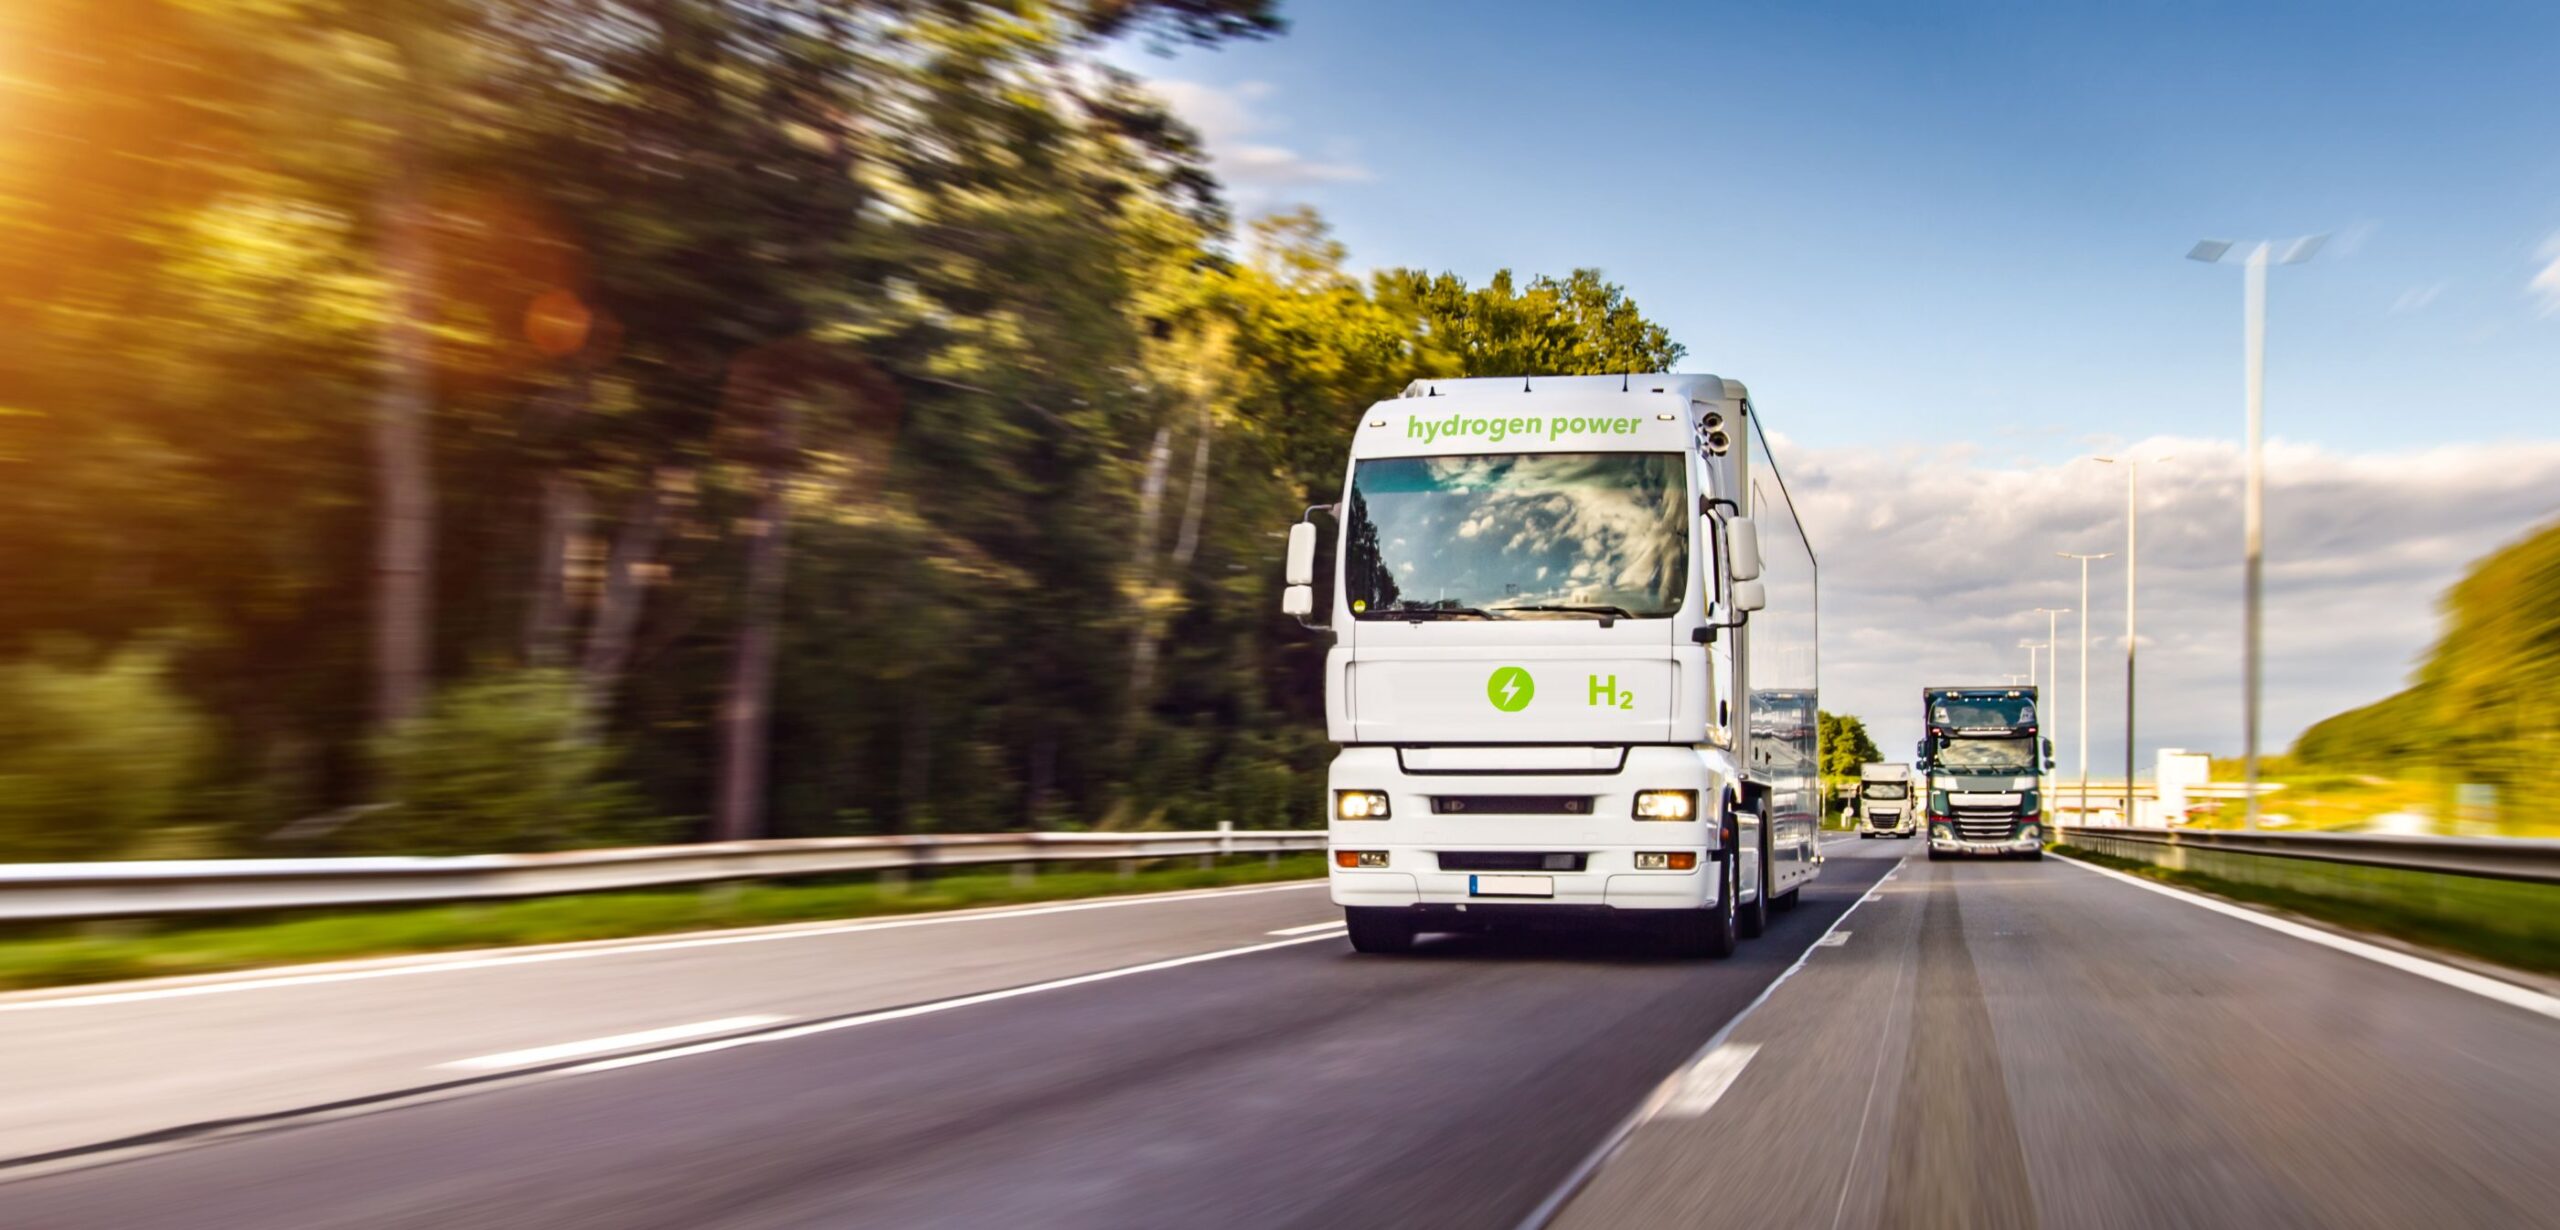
x=1298 y=601
x=1301 y=569
x=1749 y=595
x=1742 y=542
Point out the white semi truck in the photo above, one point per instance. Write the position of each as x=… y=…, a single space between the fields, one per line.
x=1574 y=667
x=1884 y=801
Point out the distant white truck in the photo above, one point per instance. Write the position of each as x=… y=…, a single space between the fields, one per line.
x=1884 y=801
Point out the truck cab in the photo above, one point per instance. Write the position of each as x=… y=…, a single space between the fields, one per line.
x=1573 y=667
x=1885 y=807
x=1983 y=761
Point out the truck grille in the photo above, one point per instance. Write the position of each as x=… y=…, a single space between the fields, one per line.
x=1985 y=823
x=1511 y=804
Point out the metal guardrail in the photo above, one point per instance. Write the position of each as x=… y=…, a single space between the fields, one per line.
x=2497 y=858
x=40 y=892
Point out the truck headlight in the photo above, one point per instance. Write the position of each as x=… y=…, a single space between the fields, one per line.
x=1666 y=805
x=1359 y=804
x=2030 y=833
x=1942 y=833
x=1359 y=858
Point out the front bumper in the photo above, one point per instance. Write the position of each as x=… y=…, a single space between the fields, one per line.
x=1606 y=836
x=1984 y=847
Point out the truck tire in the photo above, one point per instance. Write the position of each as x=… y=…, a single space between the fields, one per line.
x=2035 y=855
x=1710 y=932
x=1753 y=919
x=1375 y=930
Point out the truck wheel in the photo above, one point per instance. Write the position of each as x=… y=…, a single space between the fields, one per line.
x=1789 y=899
x=1754 y=918
x=1709 y=932
x=1937 y=856
x=2035 y=856
x=1375 y=930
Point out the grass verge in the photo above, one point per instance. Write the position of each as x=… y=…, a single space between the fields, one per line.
x=2507 y=922
x=61 y=955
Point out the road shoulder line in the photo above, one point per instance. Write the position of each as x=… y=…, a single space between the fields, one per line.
x=2482 y=985
x=318 y=973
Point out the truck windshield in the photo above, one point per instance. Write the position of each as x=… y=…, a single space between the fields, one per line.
x=1883 y=790
x=1982 y=712
x=1518 y=536
x=1987 y=756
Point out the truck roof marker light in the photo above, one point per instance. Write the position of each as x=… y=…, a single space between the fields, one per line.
x=1664 y=417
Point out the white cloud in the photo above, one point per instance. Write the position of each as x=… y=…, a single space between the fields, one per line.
x=1933 y=561
x=1233 y=123
x=2546 y=284
x=2416 y=298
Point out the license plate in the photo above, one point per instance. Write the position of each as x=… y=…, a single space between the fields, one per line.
x=1511 y=886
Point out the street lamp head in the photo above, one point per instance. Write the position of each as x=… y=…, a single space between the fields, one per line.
x=2209 y=250
x=2302 y=249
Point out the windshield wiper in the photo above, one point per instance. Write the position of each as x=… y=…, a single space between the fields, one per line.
x=1440 y=612
x=1602 y=609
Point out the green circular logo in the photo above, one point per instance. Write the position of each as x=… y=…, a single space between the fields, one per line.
x=1510 y=689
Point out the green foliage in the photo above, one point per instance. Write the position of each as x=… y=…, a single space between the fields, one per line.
x=1845 y=745
x=2485 y=706
x=965 y=296
x=95 y=753
x=499 y=763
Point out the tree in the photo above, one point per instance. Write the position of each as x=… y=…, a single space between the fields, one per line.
x=1845 y=746
x=816 y=416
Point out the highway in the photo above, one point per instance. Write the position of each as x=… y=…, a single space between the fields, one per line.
x=1918 y=1043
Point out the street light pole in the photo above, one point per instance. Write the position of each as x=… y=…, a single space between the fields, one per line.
x=2053 y=676
x=2084 y=672
x=2254 y=343
x=2132 y=526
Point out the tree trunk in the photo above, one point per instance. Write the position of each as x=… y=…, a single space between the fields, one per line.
x=404 y=514
x=546 y=619
x=1142 y=642
x=744 y=718
x=1195 y=502
x=1186 y=545
x=618 y=605
x=915 y=758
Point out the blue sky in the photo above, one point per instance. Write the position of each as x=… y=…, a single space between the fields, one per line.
x=1945 y=248
x=1897 y=225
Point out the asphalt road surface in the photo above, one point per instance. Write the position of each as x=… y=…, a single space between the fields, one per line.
x=1974 y=1045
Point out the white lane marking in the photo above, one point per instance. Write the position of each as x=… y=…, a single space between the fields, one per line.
x=1833 y=940
x=2461 y=979
x=618 y=1042
x=1590 y=1165
x=338 y=972
x=1706 y=1080
x=1334 y=924
x=942 y=1005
